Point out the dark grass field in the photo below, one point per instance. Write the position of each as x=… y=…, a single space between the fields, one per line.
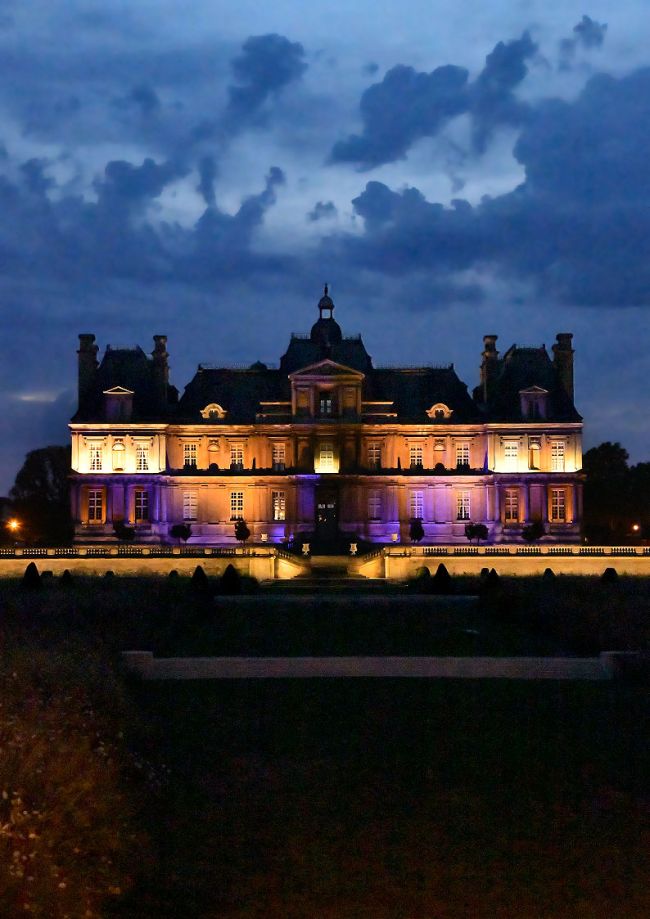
x=400 y=799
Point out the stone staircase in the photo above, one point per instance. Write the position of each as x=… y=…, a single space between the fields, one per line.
x=330 y=574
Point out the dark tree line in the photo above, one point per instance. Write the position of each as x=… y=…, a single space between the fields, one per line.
x=616 y=497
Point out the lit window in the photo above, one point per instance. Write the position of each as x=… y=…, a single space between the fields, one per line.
x=189 y=455
x=462 y=454
x=374 y=505
x=142 y=458
x=510 y=455
x=96 y=505
x=416 y=504
x=326 y=405
x=534 y=447
x=236 y=505
x=141 y=505
x=415 y=456
x=463 y=505
x=278 y=504
x=511 y=505
x=279 y=457
x=96 y=456
x=557 y=456
x=190 y=504
x=326 y=457
x=558 y=505
x=118 y=456
x=374 y=456
x=236 y=457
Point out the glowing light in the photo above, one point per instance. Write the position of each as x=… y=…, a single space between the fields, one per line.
x=635 y=527
x=13 y=525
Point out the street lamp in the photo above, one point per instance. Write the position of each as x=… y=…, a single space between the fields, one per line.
x=13 y=526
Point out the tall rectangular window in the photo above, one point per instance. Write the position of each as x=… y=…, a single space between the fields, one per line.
x=558 y=505
x=534 y=448
x=374 y=504
x=462 y=454
x=95 y=505
x=374 y=456
x=557 y=456
x=326 y=404
x=189 y=455
x=236 y=505
x=190 y=505
x=279 y=505
x=141 y=505
x=326 y=457
x=416 y=504
x=510 y=455
x=118 y=456
x=142 y=457
x=236 y=457
x=463 y=508
x=279 y=457
x=96 y=455
x=415 y=456
x=511 y=505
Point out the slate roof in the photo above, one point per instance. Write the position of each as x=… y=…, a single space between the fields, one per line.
x=239 y=392
x=413 y=392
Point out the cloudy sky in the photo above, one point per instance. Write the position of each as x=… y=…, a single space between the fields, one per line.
x=199 y=170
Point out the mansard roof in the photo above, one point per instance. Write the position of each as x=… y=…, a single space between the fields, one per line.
x=414 y=391
x=238 y=391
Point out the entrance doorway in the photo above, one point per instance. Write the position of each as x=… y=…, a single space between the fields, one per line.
x=327 y=513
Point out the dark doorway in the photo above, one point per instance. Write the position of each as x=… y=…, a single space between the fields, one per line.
x=327 y=513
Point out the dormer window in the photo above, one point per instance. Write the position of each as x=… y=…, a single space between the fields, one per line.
x=439 y=412
x=533 y=403
x=118 y=403
x=213 y=412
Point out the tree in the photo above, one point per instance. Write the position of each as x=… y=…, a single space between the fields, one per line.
x=533 y=532
x=41 y=496
x=242 y=532
x=416 y=530
x=180 y=531
x=610 y=504
x=477 y=531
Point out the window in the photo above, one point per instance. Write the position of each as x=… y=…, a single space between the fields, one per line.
x=236 y=456
x=415 y=456
x=236 y=505
x=141 y=505
x=374 y=456
x=96 y=456
x=326 y=455
x=462 y=454
x=189 y=455
x=142 y=457
x=534 y=447
x=278 y=505
x=374 y=505
x=118 y=456
x=278 y=457
x=416 y=504
x=326 y=404
x=511 y=505
x=510 y=455
x=463 y=505
x=557 y=456
x=95 y=505
x=190 y=502
x=558 y=505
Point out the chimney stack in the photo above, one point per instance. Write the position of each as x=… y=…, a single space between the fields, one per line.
x=489 y=364
x=563 y=361
x=160 y=369
x=87 y=363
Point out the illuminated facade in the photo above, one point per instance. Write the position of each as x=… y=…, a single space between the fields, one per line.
x=325 y=444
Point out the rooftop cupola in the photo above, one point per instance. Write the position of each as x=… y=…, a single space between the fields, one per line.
x=326 y=331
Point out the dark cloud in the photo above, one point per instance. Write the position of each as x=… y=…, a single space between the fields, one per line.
x=370 y=69
x=128 y=184
x=577 y=228
x=267 y=64
x=207 y=178
x=408 y=105
x=322 y=210
x=587 y=33
x=143 y=97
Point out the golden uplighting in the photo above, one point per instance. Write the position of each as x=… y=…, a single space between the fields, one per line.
x=13 y=524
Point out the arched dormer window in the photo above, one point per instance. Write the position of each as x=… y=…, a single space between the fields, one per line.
x=439 y=412
x=213 y=412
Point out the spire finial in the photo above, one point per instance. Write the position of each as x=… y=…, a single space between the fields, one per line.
x=326 y=289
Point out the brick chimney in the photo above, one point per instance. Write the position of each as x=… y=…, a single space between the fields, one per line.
x=563 y=361
x=87 y=362
x=489 y=364
x=160 y=369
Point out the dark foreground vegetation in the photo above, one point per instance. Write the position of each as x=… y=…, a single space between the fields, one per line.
x=368 y=798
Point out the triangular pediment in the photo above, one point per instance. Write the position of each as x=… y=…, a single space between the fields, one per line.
x=118 y=391
x=533 y=391
x=325 y=368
